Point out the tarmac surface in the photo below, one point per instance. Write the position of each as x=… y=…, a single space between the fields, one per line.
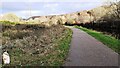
x=87 y=51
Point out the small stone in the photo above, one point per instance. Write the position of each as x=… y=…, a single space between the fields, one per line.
x=6 y=58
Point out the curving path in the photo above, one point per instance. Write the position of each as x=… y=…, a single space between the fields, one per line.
x=87 y=51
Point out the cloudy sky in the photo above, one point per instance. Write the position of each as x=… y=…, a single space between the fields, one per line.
x=27 y=8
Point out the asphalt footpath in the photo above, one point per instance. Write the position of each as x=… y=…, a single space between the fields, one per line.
x=85 y=50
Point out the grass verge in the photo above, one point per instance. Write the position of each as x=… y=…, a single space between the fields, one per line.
x=60 y=52
x=108 y=40
x=64 y=45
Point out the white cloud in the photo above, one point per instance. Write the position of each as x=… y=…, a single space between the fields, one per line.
x=111 y=0
x=53 y=7
x=1 y=15
x=27 y=13
x=50 y=5
x=56 y=0
x=0 y=7
x=51 y=0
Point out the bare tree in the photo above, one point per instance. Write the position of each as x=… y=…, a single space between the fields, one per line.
x=116 y=9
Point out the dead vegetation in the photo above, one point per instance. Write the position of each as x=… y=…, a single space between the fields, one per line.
x=34 y=45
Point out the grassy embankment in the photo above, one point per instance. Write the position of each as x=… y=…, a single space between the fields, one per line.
x=108 y=40
x=8 y=22
x=63 y=48
x=33 y=45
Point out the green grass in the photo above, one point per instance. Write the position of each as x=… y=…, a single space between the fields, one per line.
x=64 y=45
x=0 y=65
x=8 y=22
x=61 y=51
x=108 y=40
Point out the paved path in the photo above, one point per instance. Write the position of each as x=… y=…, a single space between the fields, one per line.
x=87 y=51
